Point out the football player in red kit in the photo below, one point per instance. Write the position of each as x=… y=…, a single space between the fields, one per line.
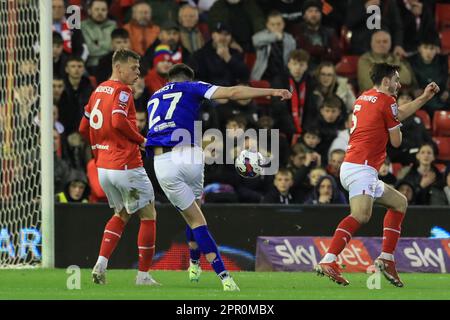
x=109 y=126
x=376 y=120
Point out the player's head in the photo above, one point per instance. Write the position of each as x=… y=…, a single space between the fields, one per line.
x=386 y=77
x=180 y=72
x=125 y=64
x=120 y=39
x=298 y=63
x=283 y=180
x=331 y=109
x=311 y=137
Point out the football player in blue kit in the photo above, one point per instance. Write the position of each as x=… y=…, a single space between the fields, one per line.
x=179 y=165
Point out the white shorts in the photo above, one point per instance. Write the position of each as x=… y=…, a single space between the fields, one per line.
x=360 y=179
x=131 y=189
x=180 y=175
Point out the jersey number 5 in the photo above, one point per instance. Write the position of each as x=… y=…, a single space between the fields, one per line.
x=176 y=96
x=96 y=117
x=354 y=118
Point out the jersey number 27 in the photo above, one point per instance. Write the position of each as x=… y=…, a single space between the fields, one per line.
x=176 y=96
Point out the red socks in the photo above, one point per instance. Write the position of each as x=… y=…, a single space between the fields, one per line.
x=146 y=244
x=343 y=234
x=391 y=230
x=111 y=236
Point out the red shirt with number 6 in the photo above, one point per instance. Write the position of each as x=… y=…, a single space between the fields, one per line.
x=374 y=114
x=109 y=124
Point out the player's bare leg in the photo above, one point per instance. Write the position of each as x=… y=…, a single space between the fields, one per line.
x=194 y=269
x=146 y=244
x=196 y=220
x=361 y=211
x=111 y=236
x=397 y=205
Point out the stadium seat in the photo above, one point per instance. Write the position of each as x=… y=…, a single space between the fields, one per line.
x=441 y=123
x=249 y=59
x=261 y=84
x=445 y=41
x=442 y=15
x=348 y=66
x=423 y=115
x=443 y=144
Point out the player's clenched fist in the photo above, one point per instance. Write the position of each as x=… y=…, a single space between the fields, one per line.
x=431 y=89
x=282 y=93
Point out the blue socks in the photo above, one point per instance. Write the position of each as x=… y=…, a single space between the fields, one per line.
x=193 y=253
x=207 y=245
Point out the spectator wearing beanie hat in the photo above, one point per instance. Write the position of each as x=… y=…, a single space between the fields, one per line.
x=156 y=78
x=319 y=41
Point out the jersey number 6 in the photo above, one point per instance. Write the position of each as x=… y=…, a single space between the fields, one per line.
x=96 y=117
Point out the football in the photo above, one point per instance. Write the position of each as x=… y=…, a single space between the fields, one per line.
x=248 y=164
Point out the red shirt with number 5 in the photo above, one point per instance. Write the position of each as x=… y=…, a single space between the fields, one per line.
x=374 y=114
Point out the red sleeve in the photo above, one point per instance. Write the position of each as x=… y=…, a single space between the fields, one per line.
x=84 y=129
x=121 y=123
x=390 y=111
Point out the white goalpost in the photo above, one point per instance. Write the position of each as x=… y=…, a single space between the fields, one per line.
x=26 y=134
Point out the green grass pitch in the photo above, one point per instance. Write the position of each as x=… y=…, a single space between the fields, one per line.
x=51 y=284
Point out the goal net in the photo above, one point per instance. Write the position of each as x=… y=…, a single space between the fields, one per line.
x=20 y=159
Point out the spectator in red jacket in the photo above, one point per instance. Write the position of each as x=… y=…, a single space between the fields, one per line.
x=156 y=78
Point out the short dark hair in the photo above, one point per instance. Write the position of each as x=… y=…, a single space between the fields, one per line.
x=332 y=102
x=57 y=38
x=299 y=55
x=123 y=55
x=311 y=130
x=274 y=13
x=74 y=58
x=285 y=172
x=382 y=70
x=181 y=71
x=120 y=33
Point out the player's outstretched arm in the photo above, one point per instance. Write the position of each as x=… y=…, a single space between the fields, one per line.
x=243 y=92
x=410 y=108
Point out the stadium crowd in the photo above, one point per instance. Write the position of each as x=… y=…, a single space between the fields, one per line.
x=321 y=51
